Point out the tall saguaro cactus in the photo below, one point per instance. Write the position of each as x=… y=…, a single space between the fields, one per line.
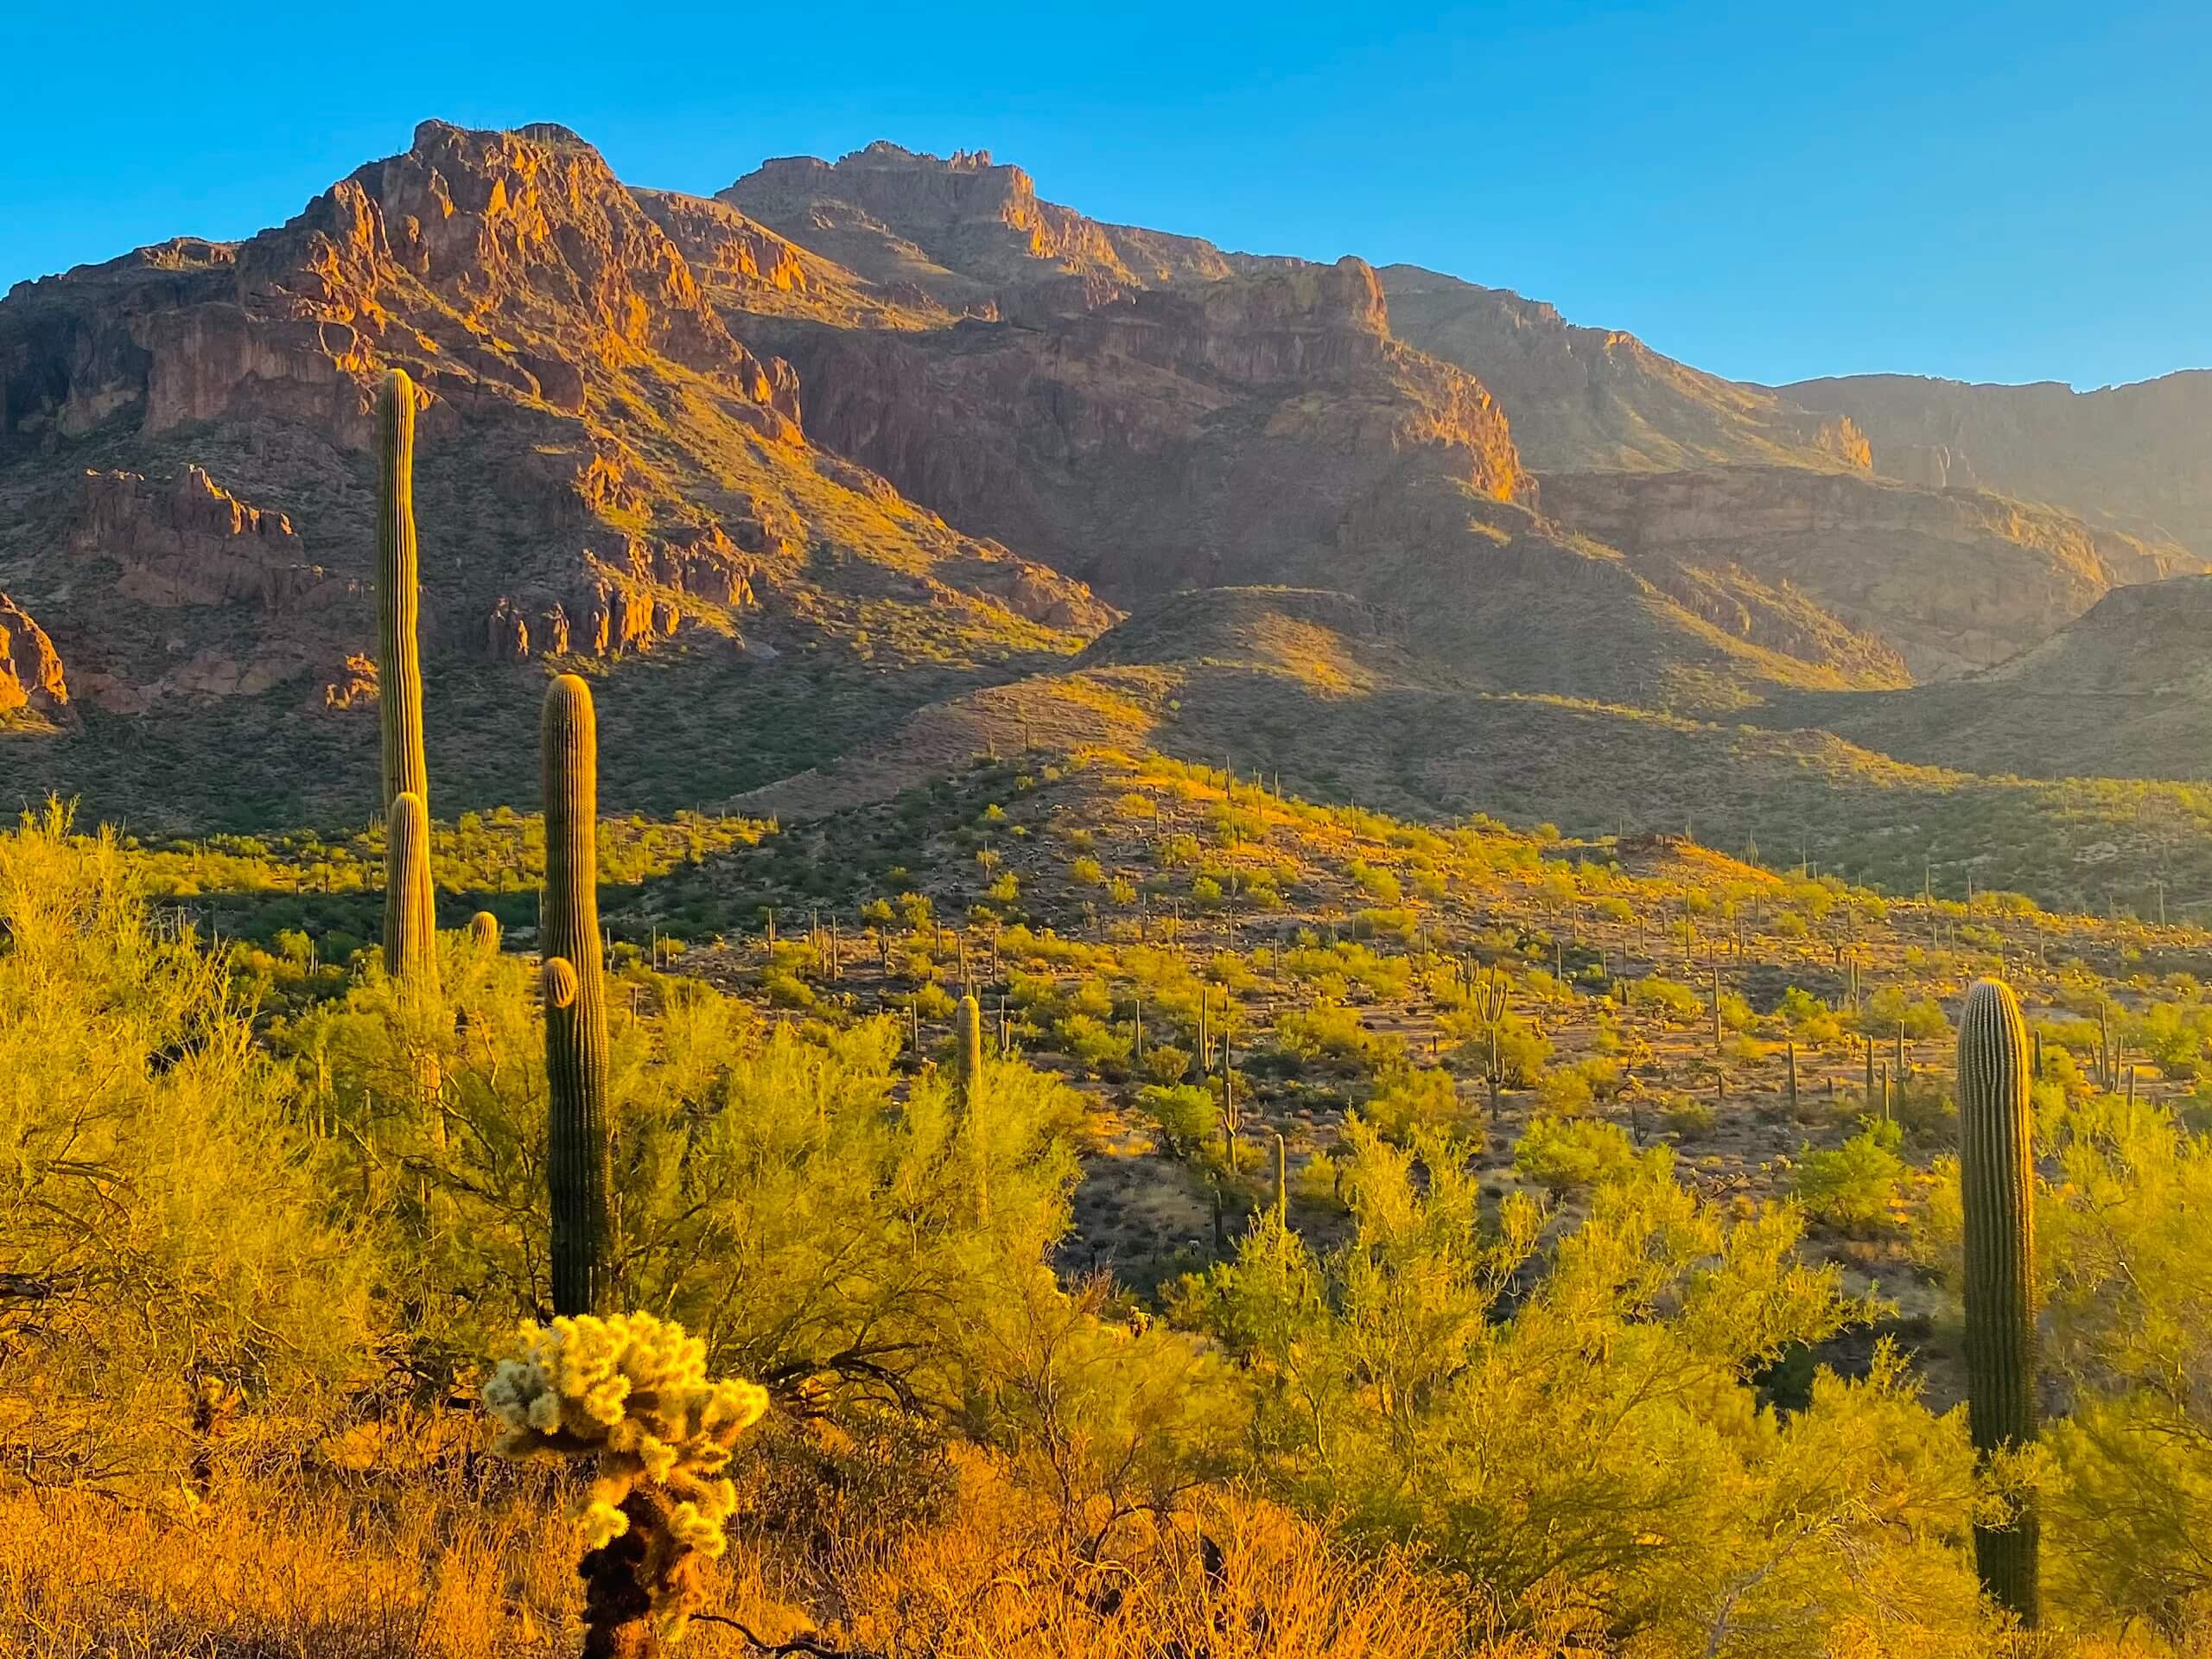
x=410 y=907
x=577 y=1158
x=1997 y=1176
x=399 y=667
x=399 y=684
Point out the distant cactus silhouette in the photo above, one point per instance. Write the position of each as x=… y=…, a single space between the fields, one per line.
x=410 y=954
x=576 y=1025
x=484 y=931
x=1997 y=1178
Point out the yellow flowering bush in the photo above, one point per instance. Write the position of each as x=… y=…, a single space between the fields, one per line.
x=631 y=1391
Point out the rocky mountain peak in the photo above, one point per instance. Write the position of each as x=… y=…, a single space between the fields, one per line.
x=963 y=229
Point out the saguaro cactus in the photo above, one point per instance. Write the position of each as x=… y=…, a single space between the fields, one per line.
x=968 y=1075
x=967 y=1064
x=410 y=907
x=399 y=668
x=576 y=1025
x=1997 y=1177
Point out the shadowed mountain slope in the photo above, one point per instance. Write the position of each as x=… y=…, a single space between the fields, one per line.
x=2130 y=456
x=1590 y=398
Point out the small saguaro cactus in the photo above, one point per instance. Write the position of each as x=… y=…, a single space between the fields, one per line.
x=410 y=907
x=1997 y=1180
x=484 y=932
x=967 y=1063
x=968 y=1078
x=577 y=1158
x=632 y=1392
x=1282 y=1180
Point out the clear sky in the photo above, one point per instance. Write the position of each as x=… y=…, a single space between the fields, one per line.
x=1985 y=191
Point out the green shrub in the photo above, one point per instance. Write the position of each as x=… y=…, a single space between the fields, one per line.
x=1185 y=1113
x=1854 y=1187
x=1572 y=1154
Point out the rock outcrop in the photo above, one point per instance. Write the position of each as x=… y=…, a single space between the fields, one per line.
x=191 y=542
x=31 y=678
x=957 y=230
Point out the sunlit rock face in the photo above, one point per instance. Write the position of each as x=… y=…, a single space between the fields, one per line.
x=31 y=676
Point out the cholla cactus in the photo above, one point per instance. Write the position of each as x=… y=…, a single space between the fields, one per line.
x=632 y=1391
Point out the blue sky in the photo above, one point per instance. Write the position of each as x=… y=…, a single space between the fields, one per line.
x=1770 y=191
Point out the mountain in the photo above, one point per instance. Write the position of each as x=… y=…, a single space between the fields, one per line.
x=2130 y=456
x=605 y=475
x=1153 y=415
x=861 y=466
x=1951 y=580
x=1598 y=398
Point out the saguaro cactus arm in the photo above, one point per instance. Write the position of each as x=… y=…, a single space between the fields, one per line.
x=410 y=905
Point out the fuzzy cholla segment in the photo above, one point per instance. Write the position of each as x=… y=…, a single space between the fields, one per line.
x=633 y=1390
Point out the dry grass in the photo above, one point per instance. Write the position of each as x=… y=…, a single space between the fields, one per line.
x=415 y=1573
x=416 y=1568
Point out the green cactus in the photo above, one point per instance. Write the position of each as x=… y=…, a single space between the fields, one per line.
x=1792 y=1050
x=1997 y=1178
x=409 y=906
x=578 y=1156
x=968 y=1063
x=968 y=1076
x=399 y=671
x=1282 y=1180
x=484 y=932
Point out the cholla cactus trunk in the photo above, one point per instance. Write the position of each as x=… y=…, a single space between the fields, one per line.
x=399 y=667
x=1997 y=1176
x=577 y=1157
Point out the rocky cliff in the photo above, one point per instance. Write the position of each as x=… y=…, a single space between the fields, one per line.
x=2129 y=456
x=1584 y=398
